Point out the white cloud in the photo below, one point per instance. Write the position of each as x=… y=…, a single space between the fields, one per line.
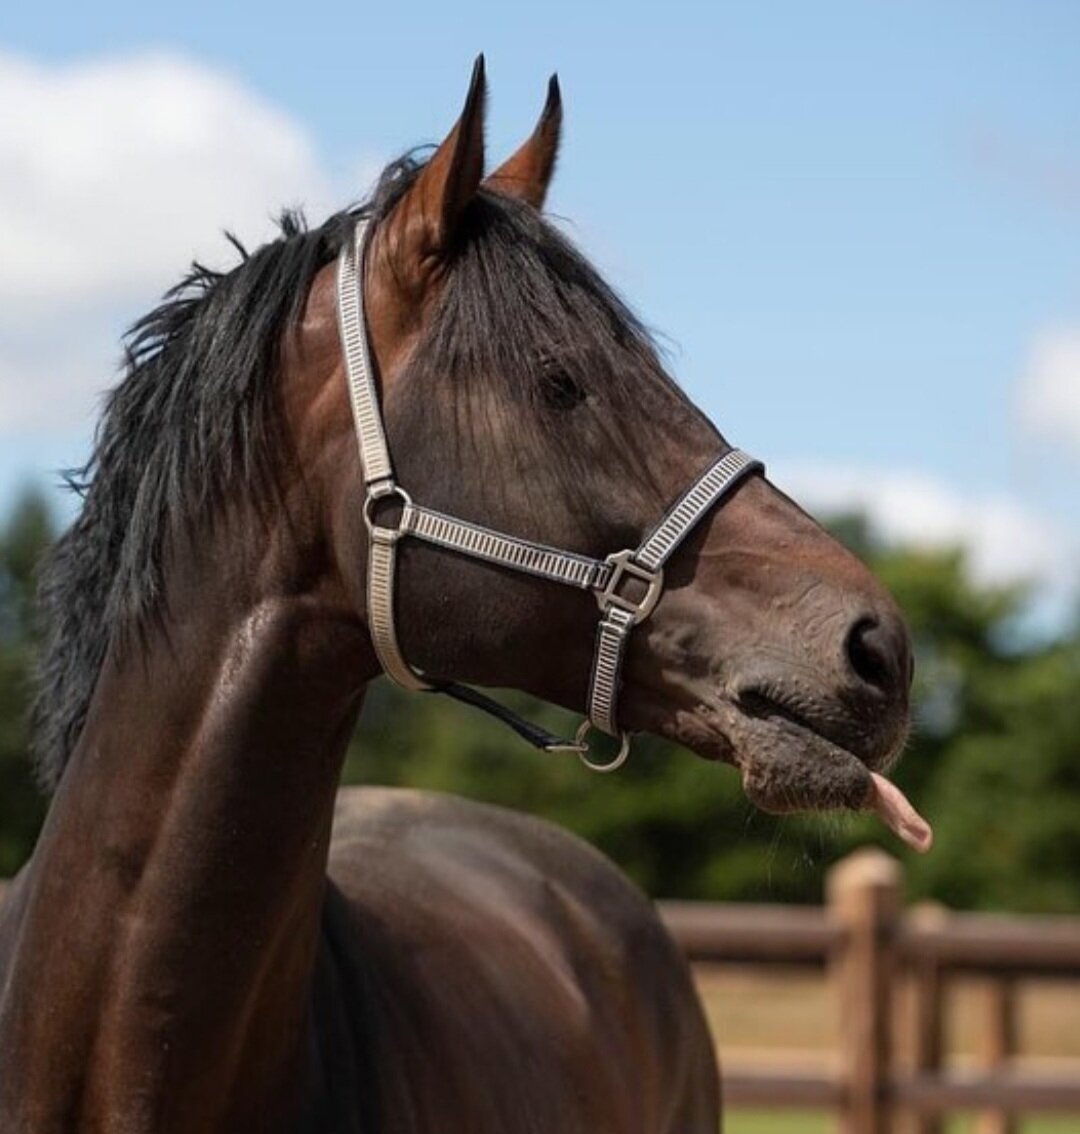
x=1005 y=541
x=116 y=173
x=52 y=374
x=364 y=175
x=1050 y=386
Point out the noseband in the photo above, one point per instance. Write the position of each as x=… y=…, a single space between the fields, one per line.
x=604 y=578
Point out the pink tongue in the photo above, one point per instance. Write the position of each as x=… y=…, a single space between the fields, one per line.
x=892 y=807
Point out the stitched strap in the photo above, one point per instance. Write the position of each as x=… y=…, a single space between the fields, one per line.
x=374 y=452
x=382 y=571
x=646 y=564
x=688 y=511
x=611 y=638
x=377 y=469
x=506 y=550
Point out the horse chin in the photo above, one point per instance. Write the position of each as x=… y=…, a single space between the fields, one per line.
x=788 y=768
x=785 y=765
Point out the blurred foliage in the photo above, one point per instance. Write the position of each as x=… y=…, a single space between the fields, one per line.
x=994 y=761
x=27 y=532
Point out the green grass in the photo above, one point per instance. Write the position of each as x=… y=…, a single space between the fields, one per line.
x=776 y=1122
x=810 y=1122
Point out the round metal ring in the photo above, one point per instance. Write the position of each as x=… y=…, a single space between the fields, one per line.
x=580 y=738
x=374 y=498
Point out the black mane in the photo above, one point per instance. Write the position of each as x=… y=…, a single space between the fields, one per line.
x=193 y=421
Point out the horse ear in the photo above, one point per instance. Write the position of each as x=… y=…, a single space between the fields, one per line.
x=527 y=173
x=422 y=225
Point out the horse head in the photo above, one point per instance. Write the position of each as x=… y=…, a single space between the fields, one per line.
x=521 y=394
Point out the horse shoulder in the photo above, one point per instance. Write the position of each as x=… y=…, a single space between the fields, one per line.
x=13 y=898
x=476 y=937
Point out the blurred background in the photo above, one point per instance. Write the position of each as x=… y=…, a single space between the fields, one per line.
x=855 y=229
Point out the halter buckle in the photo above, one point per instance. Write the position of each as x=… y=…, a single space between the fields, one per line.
x=623 y=564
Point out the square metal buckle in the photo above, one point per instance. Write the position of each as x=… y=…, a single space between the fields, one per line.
x=623 y=565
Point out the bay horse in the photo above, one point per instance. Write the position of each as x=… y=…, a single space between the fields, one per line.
x=197 y=944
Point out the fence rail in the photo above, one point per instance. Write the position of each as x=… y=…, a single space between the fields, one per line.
x=868 y=947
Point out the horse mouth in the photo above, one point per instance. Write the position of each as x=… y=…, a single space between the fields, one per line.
x=790 y=761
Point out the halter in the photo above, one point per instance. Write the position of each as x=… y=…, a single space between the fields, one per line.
x=604 y=578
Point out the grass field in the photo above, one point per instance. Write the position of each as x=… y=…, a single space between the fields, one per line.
x=799 y=1122
x=780 y=1018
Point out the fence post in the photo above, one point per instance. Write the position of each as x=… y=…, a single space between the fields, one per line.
x=999 y=1045
x=864 y=892
x=928 y=1015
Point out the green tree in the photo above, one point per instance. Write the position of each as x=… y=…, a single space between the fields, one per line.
x=24 y=537
x=995 y=758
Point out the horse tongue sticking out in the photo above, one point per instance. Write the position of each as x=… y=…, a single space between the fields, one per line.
x=890 y=804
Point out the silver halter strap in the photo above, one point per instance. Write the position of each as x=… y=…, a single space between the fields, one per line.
x=605 y=578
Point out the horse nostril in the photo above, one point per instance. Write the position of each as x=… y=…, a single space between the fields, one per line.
x=872 y=653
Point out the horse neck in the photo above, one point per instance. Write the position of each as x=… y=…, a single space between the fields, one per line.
x=161 y=968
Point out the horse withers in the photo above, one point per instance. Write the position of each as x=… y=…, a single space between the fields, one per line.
x=195 y=944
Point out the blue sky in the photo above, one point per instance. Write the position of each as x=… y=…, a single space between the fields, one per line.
x=857 y=225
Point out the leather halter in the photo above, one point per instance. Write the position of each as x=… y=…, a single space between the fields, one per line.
x=605 y=578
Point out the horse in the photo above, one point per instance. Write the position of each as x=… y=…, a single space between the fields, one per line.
x=199 y=942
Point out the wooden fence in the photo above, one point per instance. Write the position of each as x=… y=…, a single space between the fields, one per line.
x=869 y=948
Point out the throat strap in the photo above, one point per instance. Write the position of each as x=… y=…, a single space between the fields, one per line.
x=627 y=584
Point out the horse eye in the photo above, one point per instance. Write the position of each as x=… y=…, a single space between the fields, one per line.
x=560 y=391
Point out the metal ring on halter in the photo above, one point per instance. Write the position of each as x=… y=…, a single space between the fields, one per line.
x=583 y=731
x=376 y=495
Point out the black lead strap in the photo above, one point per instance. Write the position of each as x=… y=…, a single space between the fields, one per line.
x=538 y=737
